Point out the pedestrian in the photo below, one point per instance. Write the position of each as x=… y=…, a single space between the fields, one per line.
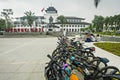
x=98 y=37
x=93 y=38
x=64 y=32
x=87 y=37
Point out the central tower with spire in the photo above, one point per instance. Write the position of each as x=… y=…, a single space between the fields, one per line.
x=50 y=12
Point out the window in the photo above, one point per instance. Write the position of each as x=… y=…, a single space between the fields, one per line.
x=66 y=25
x=15 y=25
x=22 y=25
x=73 y=20
x=67 y=30
x=76 y=20
x=18 y=25
x=83 y=25
x=70 y=25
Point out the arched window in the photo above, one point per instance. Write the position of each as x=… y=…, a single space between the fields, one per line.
x=75 y=30
x=72 y=30
x=67 y=30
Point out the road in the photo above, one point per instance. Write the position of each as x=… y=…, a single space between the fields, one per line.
x=24 y=58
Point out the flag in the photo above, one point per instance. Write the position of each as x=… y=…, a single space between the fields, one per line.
x=42 y=9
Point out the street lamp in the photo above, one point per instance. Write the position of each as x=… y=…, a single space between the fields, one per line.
x=6 y=13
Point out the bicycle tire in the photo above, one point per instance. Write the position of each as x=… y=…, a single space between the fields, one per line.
x=103 y=71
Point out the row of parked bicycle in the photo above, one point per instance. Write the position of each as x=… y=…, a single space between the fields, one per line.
x=72 y=60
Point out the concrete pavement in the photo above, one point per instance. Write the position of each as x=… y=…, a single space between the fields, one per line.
x=25 y=58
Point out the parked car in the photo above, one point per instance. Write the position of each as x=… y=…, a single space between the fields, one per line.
x=2 y=31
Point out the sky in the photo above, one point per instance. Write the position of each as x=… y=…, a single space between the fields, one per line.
x=78 y=8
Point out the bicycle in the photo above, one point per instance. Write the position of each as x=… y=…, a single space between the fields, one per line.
x=108 y=73
x=54 y=71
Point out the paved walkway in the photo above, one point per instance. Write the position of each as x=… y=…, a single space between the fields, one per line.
x=114 y=60
x=25 y=58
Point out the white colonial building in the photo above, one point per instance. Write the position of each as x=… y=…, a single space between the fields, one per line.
x=74 y=24
x=42 y=23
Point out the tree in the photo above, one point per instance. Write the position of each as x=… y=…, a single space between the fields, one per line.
x=2 y=24
x=106 y=23
x=111 y=22
x=29 y=15
x=61 y=19
x=98 y=23
x=91 y=28
x=115 y=21
x=5 y=13
x=118 y=21
x=82 y=29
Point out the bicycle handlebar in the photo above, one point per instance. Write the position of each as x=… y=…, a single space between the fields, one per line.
x=57 y=64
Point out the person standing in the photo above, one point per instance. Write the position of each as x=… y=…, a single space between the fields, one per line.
x=93 y=38
x=98 y=37
x=64 y=32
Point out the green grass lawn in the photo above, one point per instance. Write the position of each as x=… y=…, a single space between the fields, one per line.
x=110 y=47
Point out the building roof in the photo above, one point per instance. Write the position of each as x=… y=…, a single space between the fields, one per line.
x=72 y=17
x=51 y=9
x=24 y=17
x=85 y=23
x=41 y=17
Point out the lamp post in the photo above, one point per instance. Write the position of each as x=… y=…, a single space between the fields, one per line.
x=6 y=13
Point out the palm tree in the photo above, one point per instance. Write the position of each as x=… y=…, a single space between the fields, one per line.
x=115 y=21
x=5 y=13
x=106 y=23
x=96 y=2
x=29 y=15
x=111 y=22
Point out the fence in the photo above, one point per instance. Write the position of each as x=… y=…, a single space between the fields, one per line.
x=110 y=38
